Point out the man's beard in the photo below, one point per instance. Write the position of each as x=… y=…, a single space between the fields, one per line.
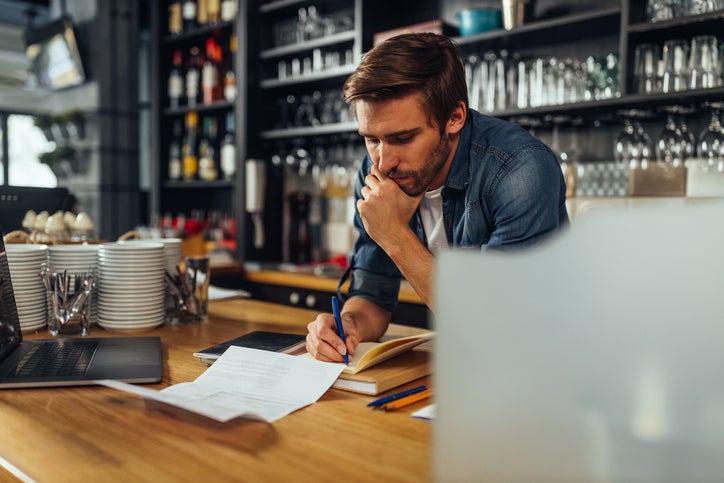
x=433 y=164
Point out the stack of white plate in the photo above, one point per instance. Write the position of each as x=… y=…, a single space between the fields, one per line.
x=131 y=286
x=173 y=254
x=172 y=249
x=26 y=262
x=76 y=260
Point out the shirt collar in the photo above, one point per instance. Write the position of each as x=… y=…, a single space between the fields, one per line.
x=459 y=175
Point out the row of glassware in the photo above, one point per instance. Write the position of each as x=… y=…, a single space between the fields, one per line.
x=662 y=10
x=498 y=81
x=679 y=64
x=675 y=144
x=310 y=24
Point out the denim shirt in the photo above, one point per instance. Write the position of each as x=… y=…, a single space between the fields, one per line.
x=505 y=189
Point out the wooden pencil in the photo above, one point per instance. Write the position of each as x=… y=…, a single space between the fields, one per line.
x=407 y=400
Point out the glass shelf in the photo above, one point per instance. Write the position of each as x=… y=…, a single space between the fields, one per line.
x=326 y=41
x=344 y=70
x=310 y=130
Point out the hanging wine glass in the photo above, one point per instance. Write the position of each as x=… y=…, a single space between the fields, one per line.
x=688 y=139
x=645 y=145
x=669 y=143
x=711 y=142
x=625 y=148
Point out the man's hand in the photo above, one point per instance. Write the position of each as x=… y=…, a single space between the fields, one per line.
x=384 y=208
x=363 y=321
x=324 y=344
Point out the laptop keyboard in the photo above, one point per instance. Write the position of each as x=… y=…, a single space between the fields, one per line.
x=58 y=359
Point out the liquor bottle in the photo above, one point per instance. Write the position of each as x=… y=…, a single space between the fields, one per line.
x=228 y=148
x=175 y=165
x=175 y=19
x=193 y=78
x=230 y=76
x=207 y=150
x=202 y=13
x=190 y=154
x=189 y=15
x=176 y=81
x=210 y=78
x=230 y=86
x=229 y=8
x=213 y=10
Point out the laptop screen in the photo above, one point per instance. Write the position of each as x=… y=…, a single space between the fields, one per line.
x=10 y=335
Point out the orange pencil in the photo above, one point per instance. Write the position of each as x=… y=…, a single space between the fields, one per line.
x=406 y=401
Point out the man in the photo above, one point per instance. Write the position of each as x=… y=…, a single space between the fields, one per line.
x=437 y=174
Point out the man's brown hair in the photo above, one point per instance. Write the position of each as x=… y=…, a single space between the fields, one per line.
x=415 y=62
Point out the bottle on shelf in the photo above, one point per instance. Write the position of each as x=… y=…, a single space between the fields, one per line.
x=228 y=148
x=202 y=16
x=229 y=8
x=230 y=86
x=207 y=150
x=175 y=18
x=193 y=78
x=189 y=150
x=211 y=84
x=213 y=11
x=175 y=164
x=230 y=76
x=176 y=81
x=189 y=15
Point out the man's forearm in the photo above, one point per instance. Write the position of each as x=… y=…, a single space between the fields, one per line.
x=414 y=261
x=370 y=320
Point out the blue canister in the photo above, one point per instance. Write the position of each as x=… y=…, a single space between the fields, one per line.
x=473 y=21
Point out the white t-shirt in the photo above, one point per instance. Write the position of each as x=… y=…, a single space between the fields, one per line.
x=432 y=222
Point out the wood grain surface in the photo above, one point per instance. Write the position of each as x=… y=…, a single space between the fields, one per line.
x=98 y=434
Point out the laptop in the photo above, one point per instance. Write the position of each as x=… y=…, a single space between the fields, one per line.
x=594 y=358
x=68 y=361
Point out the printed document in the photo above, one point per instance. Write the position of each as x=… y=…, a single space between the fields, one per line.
x=248 y=383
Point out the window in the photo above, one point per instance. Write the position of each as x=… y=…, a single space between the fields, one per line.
x=22 y=143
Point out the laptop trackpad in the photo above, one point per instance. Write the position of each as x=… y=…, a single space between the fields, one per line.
x=122 y=353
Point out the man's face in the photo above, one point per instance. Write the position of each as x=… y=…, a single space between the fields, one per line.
x=403 y=144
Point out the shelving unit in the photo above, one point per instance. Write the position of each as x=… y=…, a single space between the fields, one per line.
x=619 y=28
x=182 y=197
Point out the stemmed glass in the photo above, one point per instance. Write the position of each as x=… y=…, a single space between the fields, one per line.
x=646 y=147
x=688 y=139
x=625 y=148
x=711 y=141
x=669 y=145
x=632 y=147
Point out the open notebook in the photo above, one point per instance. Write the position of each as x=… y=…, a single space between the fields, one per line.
x=377 y=367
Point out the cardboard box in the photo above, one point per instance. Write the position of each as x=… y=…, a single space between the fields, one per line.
x=434 y=26
x=657 y=179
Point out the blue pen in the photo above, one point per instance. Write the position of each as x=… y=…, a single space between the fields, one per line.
x=393 y=397
x=340 y=328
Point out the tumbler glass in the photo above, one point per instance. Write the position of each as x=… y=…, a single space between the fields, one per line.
x=704 y=62
x=675 y=56
x=646 y=59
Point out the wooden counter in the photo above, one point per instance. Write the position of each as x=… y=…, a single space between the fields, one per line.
x=316 y=282
x=99 y=434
